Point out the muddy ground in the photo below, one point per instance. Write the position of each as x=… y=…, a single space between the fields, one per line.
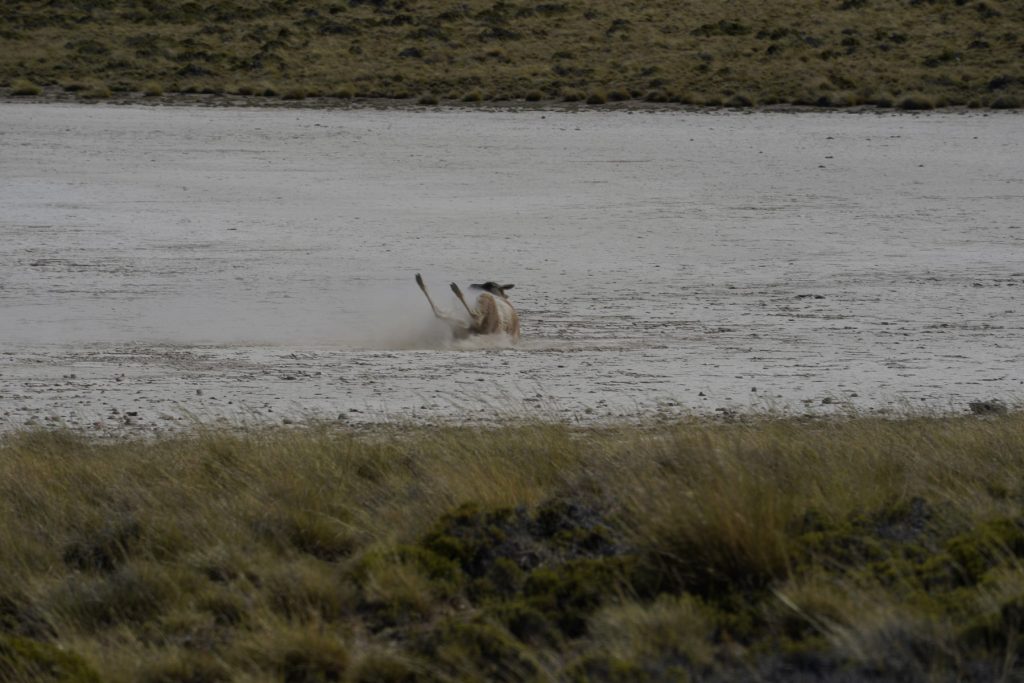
x=162 y=265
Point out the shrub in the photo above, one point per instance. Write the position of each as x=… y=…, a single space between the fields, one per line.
x=883 y=100
x=24 y=88
x=597 y=98
x=916 y=102
x=1005 y=102
x=569 y=593
x=739 y=102
x=527 y=623
x=403 y=584
x=722 y=28
x=152 y=89
x=828 y=100
x=1000 y=82
x=96 y=92
x=428 y=99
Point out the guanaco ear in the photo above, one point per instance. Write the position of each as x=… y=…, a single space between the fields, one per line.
x=504 y=287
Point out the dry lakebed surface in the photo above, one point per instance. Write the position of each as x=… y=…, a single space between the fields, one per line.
x=166 y=265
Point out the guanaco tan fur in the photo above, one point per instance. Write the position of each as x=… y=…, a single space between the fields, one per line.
x=492 y=312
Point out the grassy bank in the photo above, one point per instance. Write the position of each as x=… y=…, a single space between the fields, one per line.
x=916 y=54
x=778 y=550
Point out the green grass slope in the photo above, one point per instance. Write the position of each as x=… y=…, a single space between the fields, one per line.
x=911 y=53
x=851 y=550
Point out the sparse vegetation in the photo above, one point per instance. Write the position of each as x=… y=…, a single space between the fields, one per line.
x=831 y=54
x=850 y=549
x=152 y=89
x=916 y=101
x=294 y=94
x=23 y=88
x=96 y=91
x=1005 y=102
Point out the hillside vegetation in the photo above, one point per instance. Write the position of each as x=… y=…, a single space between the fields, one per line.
x=850 y=550
x=910 y=53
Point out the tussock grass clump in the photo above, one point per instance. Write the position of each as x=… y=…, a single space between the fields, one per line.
x=739 y=101
x=856 y=548
x=22 y=659
x=884 y=100
x=294 y=94
x=98 y=91
x=916 y=102
x=25 y=88
x=308 y=655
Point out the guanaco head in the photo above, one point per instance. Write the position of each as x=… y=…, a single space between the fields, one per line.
x=493 y=288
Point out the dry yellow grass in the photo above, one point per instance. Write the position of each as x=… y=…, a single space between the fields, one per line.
x=531 y=552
